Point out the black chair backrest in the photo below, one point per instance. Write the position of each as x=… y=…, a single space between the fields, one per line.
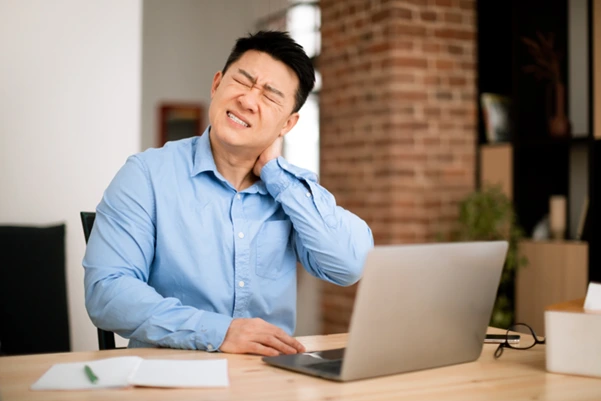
x=106 y=339
x=34 y=315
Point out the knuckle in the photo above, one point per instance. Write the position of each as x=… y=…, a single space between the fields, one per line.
x=254 y=348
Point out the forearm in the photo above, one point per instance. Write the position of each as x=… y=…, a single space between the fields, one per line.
x=130 y=308
x=332 y=242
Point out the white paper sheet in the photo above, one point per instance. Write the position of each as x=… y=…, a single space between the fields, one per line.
x=593 y=297
x=111 y=373
x=186 y=373
x=129 y=371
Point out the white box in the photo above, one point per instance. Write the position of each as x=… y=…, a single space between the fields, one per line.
x=573 y=339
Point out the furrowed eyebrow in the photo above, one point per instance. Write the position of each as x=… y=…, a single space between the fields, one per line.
x=247 y=75
x=254 y=81
x=274 y=90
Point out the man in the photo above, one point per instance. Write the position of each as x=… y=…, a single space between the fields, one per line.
x=195 y=244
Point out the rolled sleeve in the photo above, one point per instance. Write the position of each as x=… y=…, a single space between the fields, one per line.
x=331 y=242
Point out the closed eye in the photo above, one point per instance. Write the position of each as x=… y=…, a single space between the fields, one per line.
x=243 y=83
x=270 y=99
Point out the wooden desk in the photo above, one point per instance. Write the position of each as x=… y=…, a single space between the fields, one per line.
x=516 y=376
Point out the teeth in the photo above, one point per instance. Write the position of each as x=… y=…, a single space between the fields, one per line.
x=236 y=119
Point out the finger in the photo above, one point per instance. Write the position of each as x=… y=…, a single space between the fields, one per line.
x=275 y=343
x=280 y=334
x=291 y=341
x=260 y=349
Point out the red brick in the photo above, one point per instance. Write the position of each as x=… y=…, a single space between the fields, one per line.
x=405 y=95
x=398 y=31
x=432 y=111
x=386 y=80
x=445 y=64
x=431 y=47
x=391 y=14
x=397 y=119
x=448 y=33
x=432 y=80
x=396 y=62
x=410 y=125
x=454 y=49
x=453 y=17
x=467 y=4
x=428 y=16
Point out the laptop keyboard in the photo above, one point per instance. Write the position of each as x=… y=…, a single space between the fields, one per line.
x=332 y=367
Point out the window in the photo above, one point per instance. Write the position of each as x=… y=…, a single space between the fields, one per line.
x=302 y=19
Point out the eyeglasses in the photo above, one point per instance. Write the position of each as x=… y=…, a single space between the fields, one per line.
x=525 y=342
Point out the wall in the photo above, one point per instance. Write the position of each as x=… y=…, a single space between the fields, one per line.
x=79 y=96
x=69 y=117
x=398 y=119
x=185 y=42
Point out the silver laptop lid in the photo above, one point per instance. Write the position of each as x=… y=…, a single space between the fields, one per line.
x=422 y=306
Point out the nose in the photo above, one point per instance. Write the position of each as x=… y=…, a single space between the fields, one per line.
x=249 y=100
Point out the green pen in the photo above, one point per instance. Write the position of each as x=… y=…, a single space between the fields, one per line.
x=93 y=378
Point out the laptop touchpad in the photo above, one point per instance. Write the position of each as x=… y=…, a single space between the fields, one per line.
x=328 y=355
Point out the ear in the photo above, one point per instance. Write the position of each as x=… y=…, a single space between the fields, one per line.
x=216 y=82
x=290 y=123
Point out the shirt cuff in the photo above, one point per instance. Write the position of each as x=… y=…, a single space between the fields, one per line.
x=278 y=175
x=275 y=177
x=212 y=331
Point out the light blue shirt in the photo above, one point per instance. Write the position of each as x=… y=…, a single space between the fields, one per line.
x=176 y=252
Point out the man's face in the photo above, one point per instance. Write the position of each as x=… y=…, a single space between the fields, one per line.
x=252 y=103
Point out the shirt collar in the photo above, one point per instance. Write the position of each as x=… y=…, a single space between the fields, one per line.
x=204 y=161
x=203 y=155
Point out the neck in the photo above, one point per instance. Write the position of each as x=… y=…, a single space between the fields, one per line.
x=236 y=169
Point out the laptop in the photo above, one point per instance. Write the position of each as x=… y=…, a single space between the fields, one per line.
x=417 y=307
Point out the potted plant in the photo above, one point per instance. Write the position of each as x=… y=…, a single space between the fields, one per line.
x=489 y=215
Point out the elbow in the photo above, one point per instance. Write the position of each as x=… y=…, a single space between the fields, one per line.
x=352 y=277
x=95 y=311
x=355 y=263
x=355 y=269
x=356 y=260
x=95 y=301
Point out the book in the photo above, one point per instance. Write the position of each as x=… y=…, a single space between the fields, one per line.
x=128 y=371
x=496 y=116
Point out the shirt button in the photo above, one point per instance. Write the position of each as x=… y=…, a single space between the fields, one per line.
x=241 y=234
x=308 y=194
x=238 y=196
x=241 y=283
x=209 y=347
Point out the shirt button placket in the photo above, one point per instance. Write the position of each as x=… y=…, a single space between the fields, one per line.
x=241 y=266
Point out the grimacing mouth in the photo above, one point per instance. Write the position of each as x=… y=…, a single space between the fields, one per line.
x=237 y=119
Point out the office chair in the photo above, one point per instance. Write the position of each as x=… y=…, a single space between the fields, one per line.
x=34 y=316
x=106 y=339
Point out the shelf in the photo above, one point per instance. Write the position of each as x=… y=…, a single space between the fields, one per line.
x=561 y=242
x=543 y=142
x=556 y=272
x=551 y=141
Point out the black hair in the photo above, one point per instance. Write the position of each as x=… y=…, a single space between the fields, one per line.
x=281 y=47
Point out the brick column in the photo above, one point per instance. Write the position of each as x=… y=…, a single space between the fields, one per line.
x=398 y=119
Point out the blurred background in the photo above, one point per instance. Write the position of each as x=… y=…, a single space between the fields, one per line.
x=420 y=105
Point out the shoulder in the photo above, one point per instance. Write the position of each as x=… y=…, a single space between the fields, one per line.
x=178 y=154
